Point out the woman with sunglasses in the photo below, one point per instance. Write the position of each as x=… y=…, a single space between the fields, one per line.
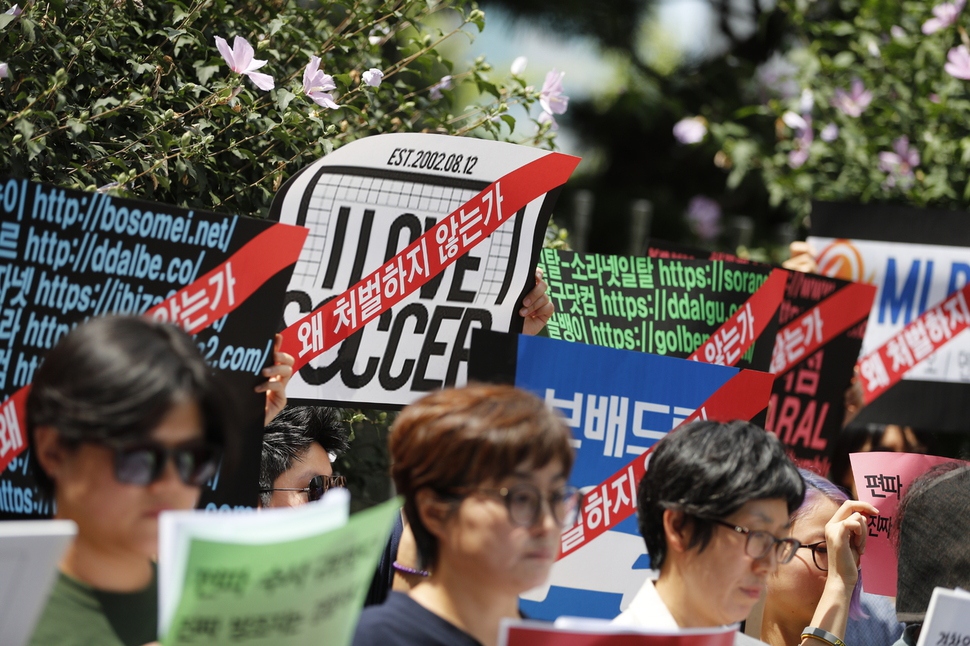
x=125 y=422
x=819 y=568
x=713 y=509
x=483 y=472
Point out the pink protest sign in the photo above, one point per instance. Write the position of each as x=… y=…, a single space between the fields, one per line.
x=882 y=479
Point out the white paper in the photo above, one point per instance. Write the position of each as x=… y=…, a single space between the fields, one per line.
x=253 y=527
x=947 y=619
x=29 y=553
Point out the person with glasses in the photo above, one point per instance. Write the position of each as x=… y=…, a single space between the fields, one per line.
x=125 y=421
x=713 y=509
x=299 y=447
x=796 y=588
x=483 y=471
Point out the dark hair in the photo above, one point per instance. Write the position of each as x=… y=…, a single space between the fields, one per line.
x=931 y=530
x=816 y=489
x=289 y=436
x=710 y=470
x=115 y=378
x=462 y=437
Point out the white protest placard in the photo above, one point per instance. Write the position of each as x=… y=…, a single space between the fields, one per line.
x=947 y=620
x=29 y=553
x=367 y=202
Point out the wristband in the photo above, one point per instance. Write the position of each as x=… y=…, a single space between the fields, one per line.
x=822 y=636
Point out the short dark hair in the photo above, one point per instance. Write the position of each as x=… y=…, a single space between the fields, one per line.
x=458 y=438
x=710 y=470
x=115 y=378
x=289 y=436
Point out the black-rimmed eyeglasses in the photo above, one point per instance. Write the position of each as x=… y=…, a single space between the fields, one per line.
x=524 y=503
x=758 y=544
x=820 y=555
x=318 y=486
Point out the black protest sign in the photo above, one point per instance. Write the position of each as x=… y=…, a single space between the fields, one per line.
x=661 y=306
x=66 y=256
x=808 y=400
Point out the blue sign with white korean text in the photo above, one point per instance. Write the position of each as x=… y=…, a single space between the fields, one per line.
x=617 y=403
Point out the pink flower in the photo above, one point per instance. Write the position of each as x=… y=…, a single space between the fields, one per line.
x=829 y=133
x=899 y=164
x=704 y=217
x=240 y=60
x=551 y=98
x=802 y=143
x=944 y=15
x=958 y=62
x=318 y=85
x=4 y=71
x=852 y=103
x=14 y=11
x=372 y=77
x=690 y=130
x=444 y=84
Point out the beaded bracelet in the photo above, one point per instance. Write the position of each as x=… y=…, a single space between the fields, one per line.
x=410 y=570
x=821 y=635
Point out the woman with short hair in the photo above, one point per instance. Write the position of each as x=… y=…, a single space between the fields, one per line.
x=796 y=587
x=125 y=421
x=483 y=471
x=714 y=509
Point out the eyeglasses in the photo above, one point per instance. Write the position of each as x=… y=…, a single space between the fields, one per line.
x=820 y=555
x=142 y=463
x=524 y=504
x=758 y=544
x=318 y=486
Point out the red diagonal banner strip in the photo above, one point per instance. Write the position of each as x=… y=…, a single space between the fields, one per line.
x=729 y=342
x=882 y=368
x=610 y=503
x=194 y=308
x=425 y=258
x=820 y=324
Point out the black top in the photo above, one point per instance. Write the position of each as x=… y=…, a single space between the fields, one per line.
x=402 y=621
x=384 y=576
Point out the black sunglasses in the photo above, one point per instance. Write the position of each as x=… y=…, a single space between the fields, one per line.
x=318 y=486
x=142 y=463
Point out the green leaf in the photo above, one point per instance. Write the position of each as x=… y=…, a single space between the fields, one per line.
x=283 y=98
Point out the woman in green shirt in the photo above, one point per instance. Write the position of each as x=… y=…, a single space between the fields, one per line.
x=125 y=421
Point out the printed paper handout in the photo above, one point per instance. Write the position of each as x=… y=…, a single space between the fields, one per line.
x=947 y=619
x=280 y=577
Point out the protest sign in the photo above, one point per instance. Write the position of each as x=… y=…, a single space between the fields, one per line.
x=823 y=320
x=947 y=619
x=68 y=255
x=590 y=633
x=29 y=553
x=664 y=306
x=415 y=241
x=293 y=578
x=618 y=404
x=915 y=258
x=882 y=479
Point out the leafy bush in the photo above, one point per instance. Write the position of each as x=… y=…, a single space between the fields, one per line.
x=869 y=102
x=134 y=94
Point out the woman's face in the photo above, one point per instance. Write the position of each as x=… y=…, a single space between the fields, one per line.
x=481 y=544
x=794 y=590
x=726 y=582
x=115 y=517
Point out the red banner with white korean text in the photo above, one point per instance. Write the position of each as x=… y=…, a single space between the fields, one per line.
x=742 y=397
x=431 y=253
x=745 y=325
x=885 y=366
x=820 y=324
